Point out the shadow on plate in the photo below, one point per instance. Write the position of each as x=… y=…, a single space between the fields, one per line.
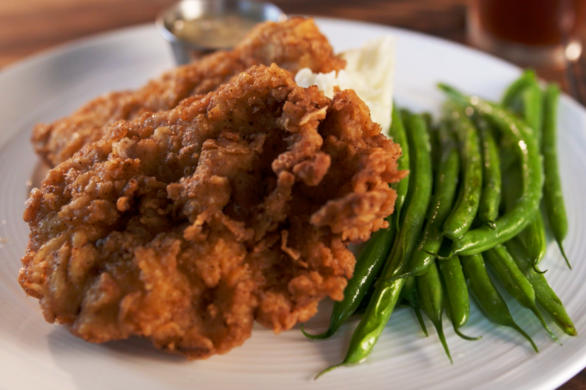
x=62 y=343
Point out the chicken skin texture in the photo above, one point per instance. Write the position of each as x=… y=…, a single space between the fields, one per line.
x=294 y=44
x=186 y=226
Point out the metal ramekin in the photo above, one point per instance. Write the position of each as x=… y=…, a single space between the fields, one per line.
x=185 y=51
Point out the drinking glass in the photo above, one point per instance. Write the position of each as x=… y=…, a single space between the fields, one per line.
x=528 y=32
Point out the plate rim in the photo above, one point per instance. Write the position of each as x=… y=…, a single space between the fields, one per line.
x=84 y=42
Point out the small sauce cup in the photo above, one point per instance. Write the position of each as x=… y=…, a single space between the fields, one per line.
x=198 y=27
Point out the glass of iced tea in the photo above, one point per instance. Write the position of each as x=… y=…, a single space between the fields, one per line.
x=528 y=32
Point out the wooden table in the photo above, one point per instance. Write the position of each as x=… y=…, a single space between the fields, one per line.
x=28 y=26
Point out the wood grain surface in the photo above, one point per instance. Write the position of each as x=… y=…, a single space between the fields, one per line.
x=29 y=26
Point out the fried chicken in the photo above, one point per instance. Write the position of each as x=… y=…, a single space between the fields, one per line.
x=294 y=44
x=186 y=226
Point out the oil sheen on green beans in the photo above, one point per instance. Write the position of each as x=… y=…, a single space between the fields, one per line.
x=464 y=211
x=409 y=294
x=487 y=296
x=446 y=180
x=531 y=110
x=514 y=281
x=456 y=291
x=533 y=236
x=490 y=199
x=552 y=189
x=430 y=294
x=513 y=222
x=397 y=133
x=512 y=98
x=544 y=294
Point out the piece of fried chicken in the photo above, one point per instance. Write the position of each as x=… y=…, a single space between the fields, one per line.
x=185 y=226
x=294 y=44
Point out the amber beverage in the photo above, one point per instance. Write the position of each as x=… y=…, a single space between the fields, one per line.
x=528 y=32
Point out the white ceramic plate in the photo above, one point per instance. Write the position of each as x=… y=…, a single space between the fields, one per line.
x=34 y=354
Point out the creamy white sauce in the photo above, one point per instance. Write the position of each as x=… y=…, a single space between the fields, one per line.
x=369 y=71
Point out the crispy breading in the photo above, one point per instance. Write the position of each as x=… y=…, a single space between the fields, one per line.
x=294 y=44
x=185 y=226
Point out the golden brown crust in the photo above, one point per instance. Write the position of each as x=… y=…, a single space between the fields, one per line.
x=293 y=44
x=185 y=226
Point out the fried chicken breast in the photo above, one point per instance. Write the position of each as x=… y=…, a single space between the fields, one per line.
x=186 y=226
x=294 y=44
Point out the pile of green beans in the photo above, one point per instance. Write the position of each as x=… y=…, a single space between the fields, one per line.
x=483 y=188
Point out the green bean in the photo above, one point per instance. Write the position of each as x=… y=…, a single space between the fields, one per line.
x=512 y=96
x=420 y=320
x=458 y=300
x=367 y=267
x=524 y=98
x=436 y=147
x=405 y=114
x=431 y=300
x=544 y=294
x=409 y=294
x=490 y=199
x=552 y=189
x=533 y=109
x=533 y=236
x=534 y=239
x=428 y=120
x=446 y=180
x=507 y=154
x=487 y=296
x=397 y=133
x=520 y=98
x=466 y=207
x=514 y=281
x=364 y=302
x=531 y=97
x=513 y=222
x=387 y=292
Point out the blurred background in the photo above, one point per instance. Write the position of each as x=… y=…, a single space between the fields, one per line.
x=28 y=26
x=544 y=34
